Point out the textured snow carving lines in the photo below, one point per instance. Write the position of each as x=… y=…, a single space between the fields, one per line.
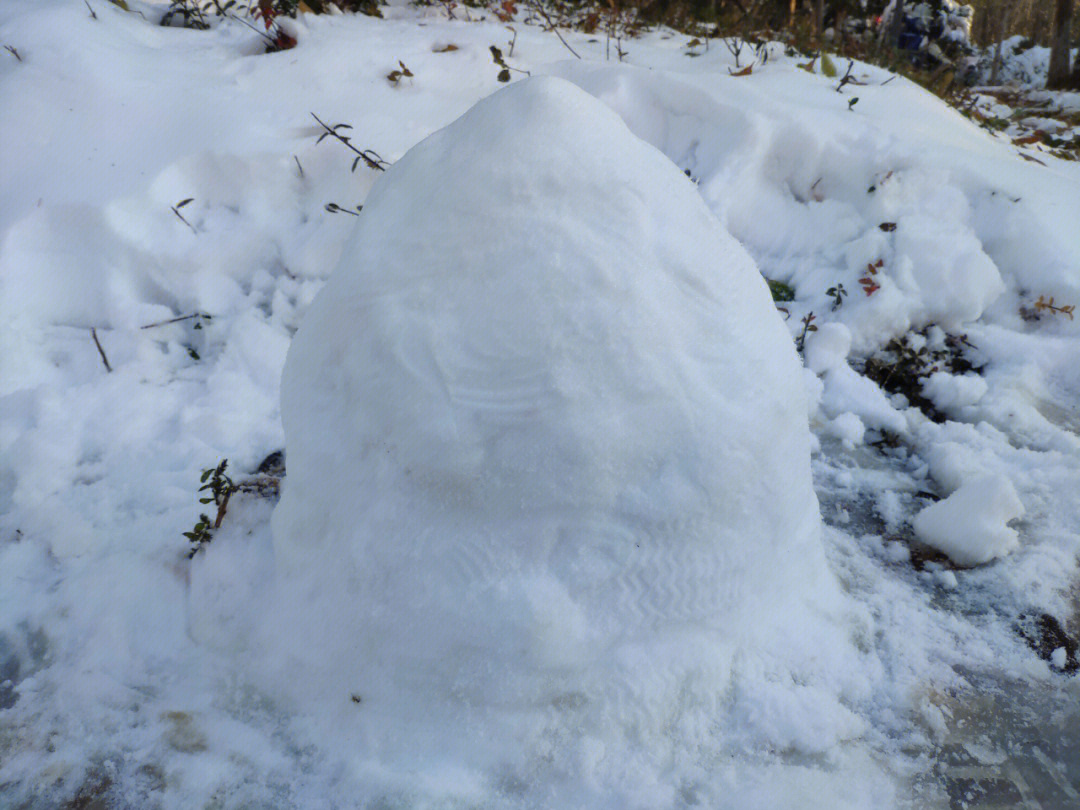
x=473 y=561
x=516 y=394
x=651 y=582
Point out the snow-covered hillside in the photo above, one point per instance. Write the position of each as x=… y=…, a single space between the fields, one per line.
x=546 y=536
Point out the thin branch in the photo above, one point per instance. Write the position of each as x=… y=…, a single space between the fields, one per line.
x=10 y=49
x=176 y=320
x=93 y=16
x=101 y=351
x=539 y=9
x=334 y=208
x=369 y=156
x=262 y=34
x=298 y=166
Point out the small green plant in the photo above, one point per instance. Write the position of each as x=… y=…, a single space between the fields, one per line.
x=199 y=536
x=906 y=361
x=221 y=488
x=187 y=14
x=781 y=292
x=264 y=483
x=369 y=157
x=808 y=325
x=837 y=294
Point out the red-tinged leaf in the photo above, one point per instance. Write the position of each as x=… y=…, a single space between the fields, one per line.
x=746 y=71
x=1027 y=140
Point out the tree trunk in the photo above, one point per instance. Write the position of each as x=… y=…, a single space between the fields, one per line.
x=1004 y=18
x=896 y=24
x=1057 y=76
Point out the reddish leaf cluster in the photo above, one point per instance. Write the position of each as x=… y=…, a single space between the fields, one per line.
x=267 y=11
x=506 y=11
x=869 y=285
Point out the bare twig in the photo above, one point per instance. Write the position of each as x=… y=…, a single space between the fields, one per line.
x=735 y=47
x=370 y=157
x=13 y=52
x=298 y=166
x=101 y=351
x=847 y=78
x=539 y=9
x=202 y=315
x=262 y=34
x=93 y=16
x=334 y=208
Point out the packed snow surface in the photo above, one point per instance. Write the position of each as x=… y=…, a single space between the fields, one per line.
x=547 y=535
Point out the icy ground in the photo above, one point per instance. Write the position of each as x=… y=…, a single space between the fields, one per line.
x=949 y=360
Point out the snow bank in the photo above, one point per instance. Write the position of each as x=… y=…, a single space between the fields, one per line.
x=549 y=465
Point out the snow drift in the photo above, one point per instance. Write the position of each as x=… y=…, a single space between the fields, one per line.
x=548 y=455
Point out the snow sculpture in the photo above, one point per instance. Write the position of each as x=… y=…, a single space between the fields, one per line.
x=547 y=443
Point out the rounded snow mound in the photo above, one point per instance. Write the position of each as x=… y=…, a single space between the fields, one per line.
x=548 y=454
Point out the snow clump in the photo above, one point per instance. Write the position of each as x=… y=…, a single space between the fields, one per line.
x=549 y=485
x=970 y=525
